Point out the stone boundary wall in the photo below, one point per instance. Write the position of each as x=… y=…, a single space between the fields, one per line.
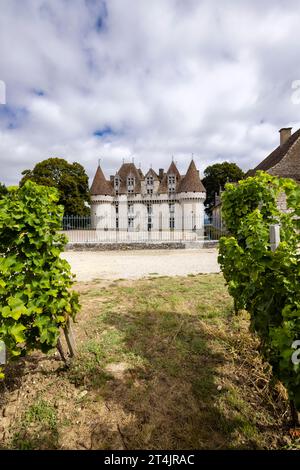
x=138 y=246
x=122 y=246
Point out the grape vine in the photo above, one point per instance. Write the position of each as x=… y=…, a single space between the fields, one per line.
x=263 y=282
x=35 y=300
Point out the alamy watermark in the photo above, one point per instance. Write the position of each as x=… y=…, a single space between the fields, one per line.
x=2 y=353
x=296 y=93
x=2 y=92
x=296 y=354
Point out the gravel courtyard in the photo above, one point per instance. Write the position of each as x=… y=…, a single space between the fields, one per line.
x=140 y=263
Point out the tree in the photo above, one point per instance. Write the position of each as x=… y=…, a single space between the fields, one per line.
x=215 y=178
x=70 y=179
x=3 y=190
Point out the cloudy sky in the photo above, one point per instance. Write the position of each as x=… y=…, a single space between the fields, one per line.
x=114 y=79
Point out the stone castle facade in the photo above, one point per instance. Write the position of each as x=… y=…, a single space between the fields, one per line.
x=132 y=201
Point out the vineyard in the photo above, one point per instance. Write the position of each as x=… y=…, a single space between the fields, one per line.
x=35 y=301
x=163 y=362
x=262 y=281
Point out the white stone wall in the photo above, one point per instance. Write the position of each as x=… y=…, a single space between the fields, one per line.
x=102 y=211
x=192 y=210
x=188 y=213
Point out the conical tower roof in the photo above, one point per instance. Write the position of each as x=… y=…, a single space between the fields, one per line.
x=100 y=185
x=173 y=170
x=191 y=182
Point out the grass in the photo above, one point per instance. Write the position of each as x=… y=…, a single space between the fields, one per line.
x=162 y=363
x=37 y=427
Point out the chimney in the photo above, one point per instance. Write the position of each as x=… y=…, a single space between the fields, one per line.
x=285 y=134
x=161 y=173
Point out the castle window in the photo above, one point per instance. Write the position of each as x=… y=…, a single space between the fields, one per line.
x=149 y=208
x=172 y=223
x=130 y=208
x=150 y=191
x=172 y=207
x=130 y=223
x=171 y=183
x=130 y=184
x=117 y=208
x=150 y=180
x=117 y=183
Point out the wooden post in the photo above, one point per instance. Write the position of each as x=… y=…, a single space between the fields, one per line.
x=60 y=350
x=274 y=236
x=70 y=339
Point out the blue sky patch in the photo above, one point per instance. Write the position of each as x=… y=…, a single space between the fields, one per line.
x=12 y=117
x=38 y=92
x=104 y=132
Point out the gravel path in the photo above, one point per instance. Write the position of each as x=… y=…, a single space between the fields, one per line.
x=135 y=264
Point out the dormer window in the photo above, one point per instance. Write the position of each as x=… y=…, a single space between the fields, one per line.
x=171 y=183
x=150 y=180
x=130 y=184
x=117 y=183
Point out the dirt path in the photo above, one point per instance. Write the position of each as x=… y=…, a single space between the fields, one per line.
x=140 y=263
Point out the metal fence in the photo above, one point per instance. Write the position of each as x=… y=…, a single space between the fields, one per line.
x=214 y=228
x=140 y=230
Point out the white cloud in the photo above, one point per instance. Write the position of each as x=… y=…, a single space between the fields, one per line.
x=171 y=77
